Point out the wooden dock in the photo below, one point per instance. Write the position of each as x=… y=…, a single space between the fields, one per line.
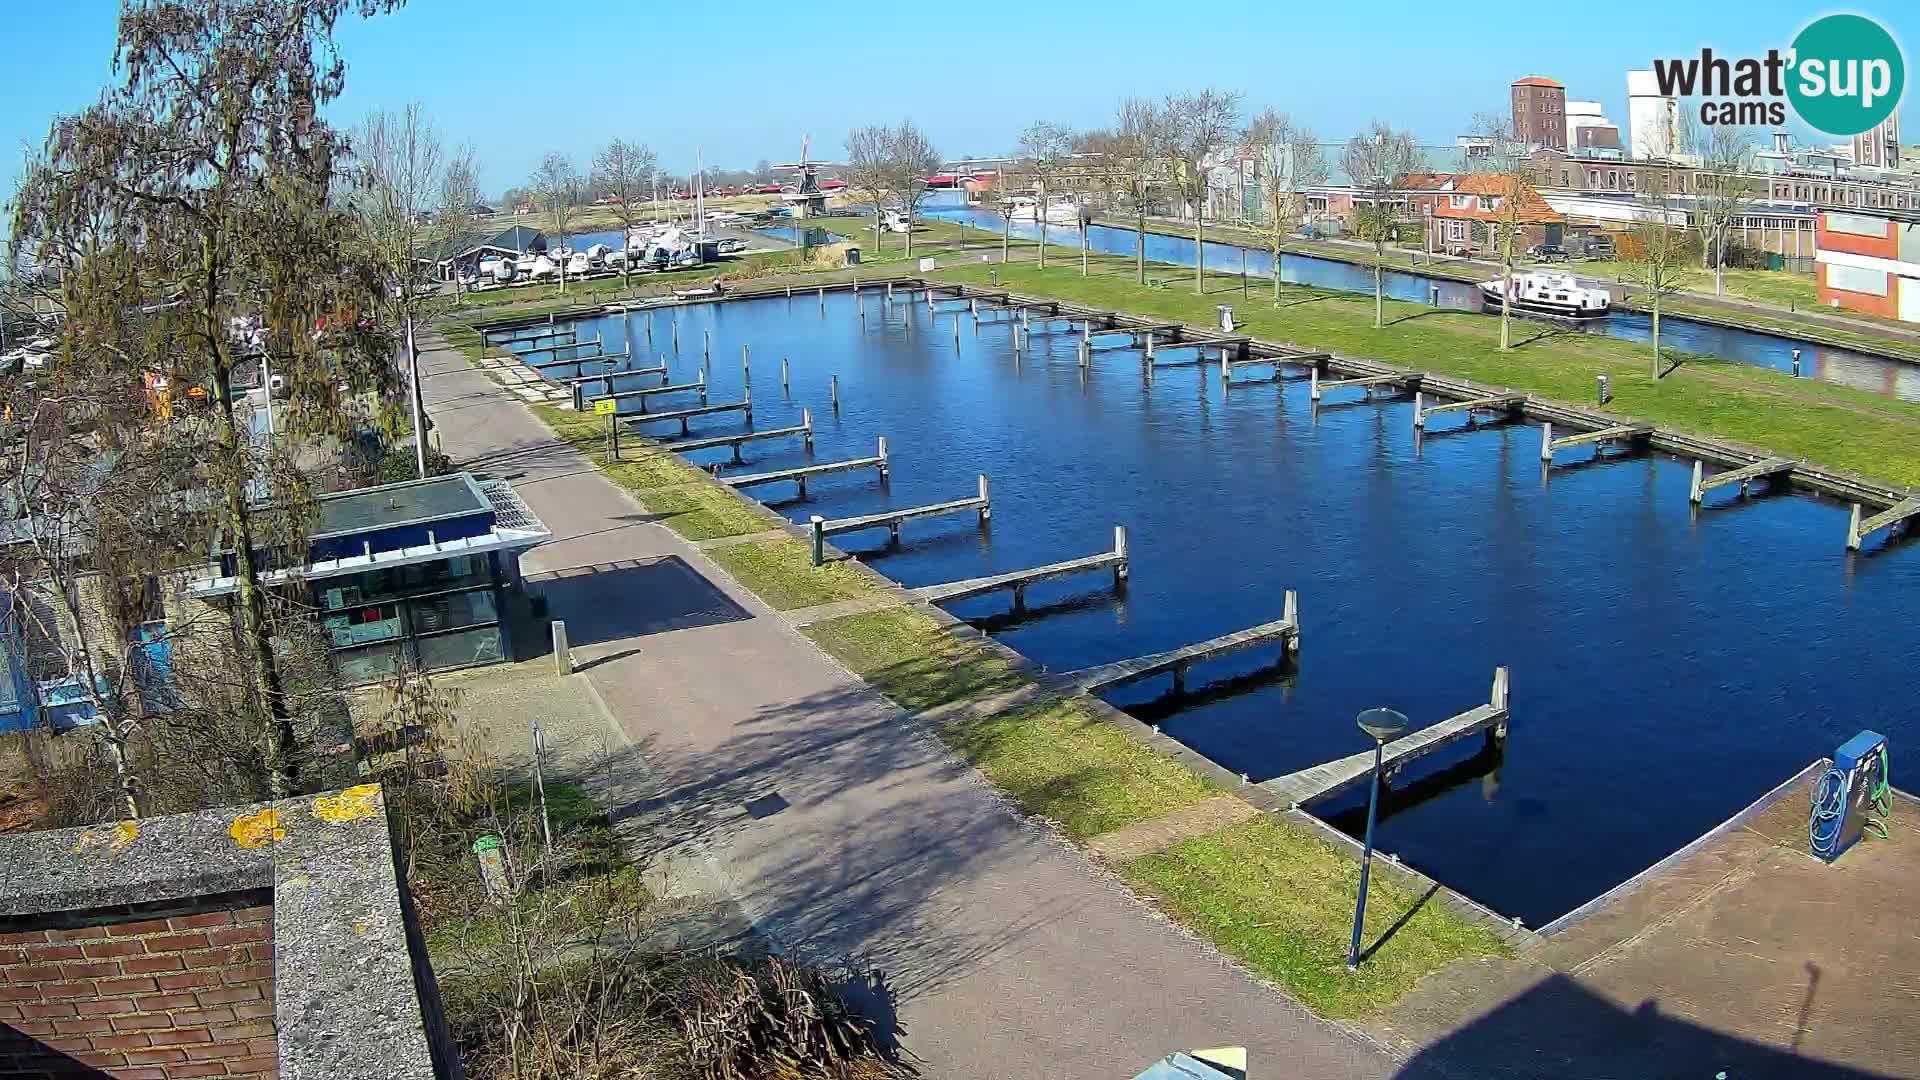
x=1018 y=580
x=1598 y=437
x=596 y=358
x=1744 y=475
x=684 y=415
x=569 y=380
x=1285 y=630
x=801 y=475
x=804 y=430
x=546 y=330
x=646 y=392
x=1318 y=386
x=1504 y=403
x=1332 y=777
x=1858 y=530
x=980 y=505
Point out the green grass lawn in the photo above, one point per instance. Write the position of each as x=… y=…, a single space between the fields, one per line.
x=909 y=657
x=1062 y=762
x=1832 y=425
x=781 y=572
x=1281 y=900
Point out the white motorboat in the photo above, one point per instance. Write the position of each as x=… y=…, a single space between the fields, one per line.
x=894 y=221
x=1546 y=292
x=543 y=267
x=496 y=269
x=1060 y=209
x=579 y=265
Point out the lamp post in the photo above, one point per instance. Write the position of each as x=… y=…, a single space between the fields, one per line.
x=1382 y=725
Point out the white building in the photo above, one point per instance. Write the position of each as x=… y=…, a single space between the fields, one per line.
x=1586 y=114
x=1653 y=121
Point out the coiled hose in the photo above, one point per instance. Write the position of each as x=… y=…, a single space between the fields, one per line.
x=1830 y=805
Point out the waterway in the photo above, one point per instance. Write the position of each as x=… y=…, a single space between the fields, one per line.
x=1667 y=667
x=1862 y=371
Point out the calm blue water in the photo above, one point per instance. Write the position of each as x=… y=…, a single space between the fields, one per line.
x=1666 y=670
x=1892 y=378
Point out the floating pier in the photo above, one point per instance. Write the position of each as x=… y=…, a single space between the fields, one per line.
x=1858 y=530
x=1506 y=403
x=545 y=330
x=1318 y=386
x=1018 y=580
x=801 y=475
x=1276 y=361
x=1332 y=777
x=1598 y=436
x=557 y=347
x=571 y=380
x=804 y=430
x=980 y=505
x=1285 y=630
x=596 y=358
x=684 y=415
x=1744 y=475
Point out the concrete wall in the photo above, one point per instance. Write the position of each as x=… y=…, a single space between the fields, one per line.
x=149 y=999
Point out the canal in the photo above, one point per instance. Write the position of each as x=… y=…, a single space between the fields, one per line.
x=1668 y=667
x=1862 y=371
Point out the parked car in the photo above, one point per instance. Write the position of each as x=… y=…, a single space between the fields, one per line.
x=1548 y=253
x=1600 y=247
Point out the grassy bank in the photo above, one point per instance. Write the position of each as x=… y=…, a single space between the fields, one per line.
x=1833 y=425
x=1281 y=901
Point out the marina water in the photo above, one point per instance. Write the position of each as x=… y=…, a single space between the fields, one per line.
x=1668 y=668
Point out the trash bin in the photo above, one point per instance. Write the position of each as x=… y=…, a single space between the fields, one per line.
x=853 y=256
x=1225 y=311
x=1606 y=391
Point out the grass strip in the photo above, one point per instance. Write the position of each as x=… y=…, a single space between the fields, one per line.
x=1062 y=762
x=702 y=512
x=1280 y=900
x=910 y=657
x=781 y=572
x=1832 y=425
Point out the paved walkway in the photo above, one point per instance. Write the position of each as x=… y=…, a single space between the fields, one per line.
x=845 y=831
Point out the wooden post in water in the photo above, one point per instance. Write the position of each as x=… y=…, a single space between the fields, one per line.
x=1546 y=442
x=1853 y=527
x=884 y=467
x=747 y=396
x=986 y=499
x=1120 y=568
x=806 y=427
x=1419 y=421
x=746 y=370
x=823 y=299
x=833 y=386
x=784 y=383
x=956 y=333
x=1694 y=493
x=676 y=334
x=1313 y=383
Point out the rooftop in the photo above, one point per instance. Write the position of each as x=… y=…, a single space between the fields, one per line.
x=1539 y=80
x=411 y=502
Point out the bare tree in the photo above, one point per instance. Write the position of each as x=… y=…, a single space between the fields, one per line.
x=1045 y=150
x=1725 y=189
x=1132 y=160
x=397 y=181
x=1198 y=126
x=1508 y=161
x=625 y=172
x=458 y=218
x=1289 y=161
x=911 y=158
x=200 y=188
x=1374 y=161
x=869 y=172
x=556 y=186
x=1657 y=260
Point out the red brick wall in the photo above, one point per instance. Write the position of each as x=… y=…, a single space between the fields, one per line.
x=157 y=999
x=1885 y=246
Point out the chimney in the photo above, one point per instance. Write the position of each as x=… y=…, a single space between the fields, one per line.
x=1780 y=142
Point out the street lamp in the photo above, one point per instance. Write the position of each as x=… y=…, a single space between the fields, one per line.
x=1382 y=725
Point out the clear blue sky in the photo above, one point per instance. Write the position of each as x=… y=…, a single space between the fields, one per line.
x=728 y=77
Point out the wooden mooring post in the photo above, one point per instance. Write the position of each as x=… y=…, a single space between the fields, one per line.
x=833 y=389
x=784 y=384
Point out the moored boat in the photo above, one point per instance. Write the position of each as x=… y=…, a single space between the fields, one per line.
x=1546 y=292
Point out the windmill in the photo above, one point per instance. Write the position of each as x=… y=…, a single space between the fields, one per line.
x=806 y=199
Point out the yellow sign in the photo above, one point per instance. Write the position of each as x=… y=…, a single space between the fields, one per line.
x=604 y=407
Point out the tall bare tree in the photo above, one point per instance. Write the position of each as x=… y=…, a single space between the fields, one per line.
x=1658 y=256
x=556 y=187
x=397 y=179
x=1133 y=161
x=625 y=172
x=1508 y=161
x=458 y=219
x=1198 y=126
x=1375 y=160
x=1045 y=151
x=1726 y=187
x=200 y=188
x=869 y=171
x=1289 y=161
x=911 y=158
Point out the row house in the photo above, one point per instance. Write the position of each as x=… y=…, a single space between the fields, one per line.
x=1468 y=214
